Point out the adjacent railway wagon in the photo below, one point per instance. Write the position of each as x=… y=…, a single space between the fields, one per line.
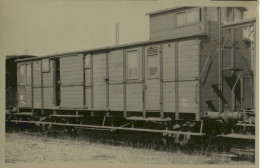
x=197 y=66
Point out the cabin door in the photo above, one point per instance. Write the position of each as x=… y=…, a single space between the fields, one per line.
x=152 y=78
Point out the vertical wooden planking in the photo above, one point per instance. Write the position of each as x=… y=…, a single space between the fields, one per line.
x=84 y=82
x=169 y=61
x=161 y=83
x=71 y=70
x=188 y=59
x=21 y=96
x=28 y=94
x=48 y=97
x=115 y=64
x=169 y=96
x=71 y=97
x=168 y=76
x=116 y=97
x=72 y=81
x=176 y=82
x=134 y=97
x=99 y=83
x=124 y=82
x=153 y=95
x=188 y=100
x=134 y=87
x=88 y=98
x=37 y=73
x=48 y=76
x=47 y=80
x=42 y=110
x=37 y=98
x=32 y=87
x=143 y=82
x=88 y=84
x=107 y=85
x=153 y=83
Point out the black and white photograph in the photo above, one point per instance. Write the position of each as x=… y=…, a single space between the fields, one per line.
x=121 y=82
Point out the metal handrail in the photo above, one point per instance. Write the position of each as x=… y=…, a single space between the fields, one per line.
x=209 y=55
x=233 y=88
x=6 y=90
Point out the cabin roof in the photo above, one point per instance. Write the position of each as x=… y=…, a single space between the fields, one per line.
x=177 y=8
x=116 y=47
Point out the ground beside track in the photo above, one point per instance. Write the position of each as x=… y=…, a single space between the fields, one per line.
x=22 y=148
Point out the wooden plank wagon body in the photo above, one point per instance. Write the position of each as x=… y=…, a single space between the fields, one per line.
x=170 y=76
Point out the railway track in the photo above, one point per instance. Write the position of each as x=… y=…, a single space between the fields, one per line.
x=154 y=140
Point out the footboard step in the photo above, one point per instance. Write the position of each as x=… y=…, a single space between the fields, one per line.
x=136 y=118
x=239 y=136
x=23 y=114
x=68 y=116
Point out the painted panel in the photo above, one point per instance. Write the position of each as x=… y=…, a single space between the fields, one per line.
x=28 y=96
x=116 y=97
x=37 y=73
x=48 y=97
x=37 y=98
x=88 y=100
x=134 y=97
x=99 y=84
x=99 y=67
x=48 y=76
x=21 y=96
x=99 y=94
x=140 y=61
x=169 y=61
x=71 y=69
x=88 y=77
x=188 y=97
x=72 y=96
x=115 y=66
x=169 y=96
x=188 y=59
x=153 y=94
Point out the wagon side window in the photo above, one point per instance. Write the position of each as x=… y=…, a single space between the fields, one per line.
x=45 y=65
x=22 y=74
x=180 y=18
x=28 y=74
x=132 y=65
x=153 y=62
x=188 y=17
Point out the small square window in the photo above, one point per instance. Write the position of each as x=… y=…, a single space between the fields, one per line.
x=192 y=16
x=188 y=17
x=153 y=66
x=180 y=17
x=45 y=65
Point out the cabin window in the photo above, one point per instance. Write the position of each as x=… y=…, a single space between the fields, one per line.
x=87 y=61
x=153 y=62
x=188 y=17
x=28 y=74
x=180 y=18
x=45 y=65
x=21 y=74
x=132 y=65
